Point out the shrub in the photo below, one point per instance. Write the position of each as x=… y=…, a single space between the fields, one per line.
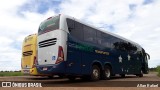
x=158 y=70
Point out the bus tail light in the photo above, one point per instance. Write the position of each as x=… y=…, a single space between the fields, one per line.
x=60 y=55
x=34 y=62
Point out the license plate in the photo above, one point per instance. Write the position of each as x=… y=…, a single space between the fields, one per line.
x=44 y=68
x=26 y=71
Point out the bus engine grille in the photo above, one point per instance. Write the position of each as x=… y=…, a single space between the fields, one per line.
x=47 y=43
x=27 y=53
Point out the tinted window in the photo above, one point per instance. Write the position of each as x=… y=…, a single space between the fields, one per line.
x=106 y=40
x=75 y=29
x=70 y=24
x=49 y=24
x=89 y=34
x=99 y=38
x=131 y=48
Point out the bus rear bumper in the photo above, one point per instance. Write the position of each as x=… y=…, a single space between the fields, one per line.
x=51 y=69
x=25 y=71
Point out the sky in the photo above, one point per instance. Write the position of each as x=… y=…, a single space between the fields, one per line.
x=136 y=20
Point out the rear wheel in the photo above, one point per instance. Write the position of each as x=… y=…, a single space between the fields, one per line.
x=95 y=75
x=106 y=73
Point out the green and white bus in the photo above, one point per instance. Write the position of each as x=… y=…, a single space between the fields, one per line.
x=67 y=46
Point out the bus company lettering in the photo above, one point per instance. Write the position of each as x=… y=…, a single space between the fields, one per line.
x=84 y=48
x=27 y=84
x=102 y=52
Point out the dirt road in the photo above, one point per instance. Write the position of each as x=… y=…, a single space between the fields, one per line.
x=117 y=81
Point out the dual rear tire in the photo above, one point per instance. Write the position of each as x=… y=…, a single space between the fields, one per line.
x=106 y=75
x=97 y=73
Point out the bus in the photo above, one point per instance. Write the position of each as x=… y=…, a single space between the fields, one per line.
x=29 y=53
x=69 y=47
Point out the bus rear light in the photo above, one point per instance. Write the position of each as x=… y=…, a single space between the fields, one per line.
x=60 y=55
x=31 y=71
x=34 y=62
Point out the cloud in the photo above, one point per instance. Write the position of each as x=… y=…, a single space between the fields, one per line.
x=41 y=6
x=136 y=20
x=16 y=24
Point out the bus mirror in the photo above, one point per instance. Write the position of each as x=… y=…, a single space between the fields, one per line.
x=148 y=56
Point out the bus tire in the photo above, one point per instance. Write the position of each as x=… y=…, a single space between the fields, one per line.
x=106 y=73
x=95 y=74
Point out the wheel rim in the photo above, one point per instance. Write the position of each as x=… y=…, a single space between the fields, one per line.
x=107 y=73
x=95 y=73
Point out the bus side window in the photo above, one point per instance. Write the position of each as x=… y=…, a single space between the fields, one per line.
x=106 y=40
x=78 y=31
x=98 y=37
x=75 y=29
x=70 y=24
x=89 y=34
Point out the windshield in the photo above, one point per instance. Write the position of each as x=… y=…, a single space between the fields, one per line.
x=49 y=25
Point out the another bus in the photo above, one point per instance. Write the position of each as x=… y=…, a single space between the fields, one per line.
x=29 y=53
x=67 y=46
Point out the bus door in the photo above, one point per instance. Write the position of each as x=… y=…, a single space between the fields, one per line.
x=73 y=58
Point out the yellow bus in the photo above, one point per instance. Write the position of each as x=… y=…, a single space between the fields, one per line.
x=29 y=53
x=29 y=57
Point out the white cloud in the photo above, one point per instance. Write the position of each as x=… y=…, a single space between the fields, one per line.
x=14 y=26
x=141 y=24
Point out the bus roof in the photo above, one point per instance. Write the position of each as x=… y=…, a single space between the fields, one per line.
x=105 y=31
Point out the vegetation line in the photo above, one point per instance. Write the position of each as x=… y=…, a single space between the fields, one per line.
x=10 y=74
x=158 y=70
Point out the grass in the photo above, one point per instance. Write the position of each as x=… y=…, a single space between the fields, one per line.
x=158 y=70
x=11 y=74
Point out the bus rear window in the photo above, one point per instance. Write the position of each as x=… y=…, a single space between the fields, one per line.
x=49 y=25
